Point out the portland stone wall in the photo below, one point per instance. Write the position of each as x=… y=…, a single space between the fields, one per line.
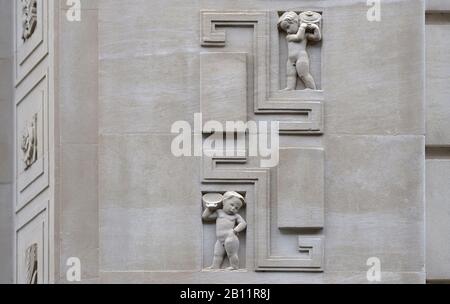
x=116 y=154
x=348 y=190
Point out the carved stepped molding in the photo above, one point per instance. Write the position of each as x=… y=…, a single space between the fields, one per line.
x=298 y=112
x=260 y=179
x=305 y=103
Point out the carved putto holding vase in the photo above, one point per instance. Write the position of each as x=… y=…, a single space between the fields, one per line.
x=29 y=18
x=300 y=29
x=224 y=210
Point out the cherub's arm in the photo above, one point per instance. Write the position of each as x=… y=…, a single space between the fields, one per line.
x=317 y=33
x=242 y=224
x=300 y=34
x=209 y=215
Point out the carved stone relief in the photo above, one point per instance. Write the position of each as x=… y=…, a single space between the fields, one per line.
x=32 y=151
x=29 y=18
x=32 y=243
x=31 y=264
x=300 y=30
x=302 y=111
x=32 y=32
x=298 y=112
x=223 y=209
x=29 y=143
x=260 y=178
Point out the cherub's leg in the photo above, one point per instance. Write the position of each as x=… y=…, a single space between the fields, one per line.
x=291 y=76
x=304 y=73
x=232 y=248
x=219 y=253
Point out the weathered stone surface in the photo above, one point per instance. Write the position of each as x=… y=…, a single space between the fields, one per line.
x=300 y=202
x=149 y=78
x=147 y=215
x=438 y=73
x=79 y=78
x=437 y=137
x=437 y=5
x=437 y=212
x=6 y=43
x=132 y=212
x=258 y=278
x=80 y=238
x=374 y=203
x=136 y=97
x=223 y=94
x=378 y=88
x=138 y=28
x=6 y=232
x=6 y=141
x=79 y=118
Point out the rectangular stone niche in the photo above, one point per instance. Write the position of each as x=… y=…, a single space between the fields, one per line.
x=209 y=236
x=314 y=50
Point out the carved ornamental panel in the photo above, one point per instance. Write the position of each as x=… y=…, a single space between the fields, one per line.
x=29 y=18
x=32 y=159
x=31 y=35
x=284 y=203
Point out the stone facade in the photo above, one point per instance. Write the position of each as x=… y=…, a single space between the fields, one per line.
x=361 y=116
x=6 y=143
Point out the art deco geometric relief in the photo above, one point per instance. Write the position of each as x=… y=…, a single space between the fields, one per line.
x=290 y=197
x=32 y=138
x=31 y=35
x=260 y=178
x=314 y=247
x=307 y=105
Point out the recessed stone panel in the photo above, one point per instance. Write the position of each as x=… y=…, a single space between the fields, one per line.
x=223 y=80
x=438 y=224
x=437 y=79
x=144 y=188
x=31 y=35
x=375 y=203
x=301 y=188
x=32 y=139
x=32 y=246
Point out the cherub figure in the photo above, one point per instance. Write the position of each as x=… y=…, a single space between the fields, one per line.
x=228 y=225
x=300 y=29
